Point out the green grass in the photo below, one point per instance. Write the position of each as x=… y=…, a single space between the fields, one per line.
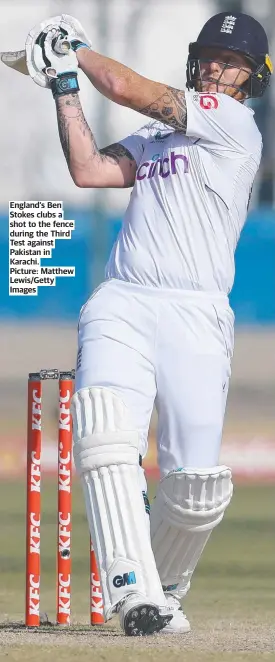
x=231 y=600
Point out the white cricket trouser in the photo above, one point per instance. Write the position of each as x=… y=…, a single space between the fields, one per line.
x=168 y=347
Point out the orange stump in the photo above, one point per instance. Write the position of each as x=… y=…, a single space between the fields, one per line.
x=96 y=599
x=63 y=611
x=33 y=514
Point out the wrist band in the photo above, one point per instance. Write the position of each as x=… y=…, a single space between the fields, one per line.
x=66 y=83
x=76 y=44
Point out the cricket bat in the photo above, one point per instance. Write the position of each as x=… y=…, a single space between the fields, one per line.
x=15 y=60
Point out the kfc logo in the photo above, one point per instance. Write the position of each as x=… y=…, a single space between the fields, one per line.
x=208 y=102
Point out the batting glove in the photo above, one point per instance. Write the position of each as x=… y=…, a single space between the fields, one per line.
x=62 y=63
x=50 y=53
x=72 y=31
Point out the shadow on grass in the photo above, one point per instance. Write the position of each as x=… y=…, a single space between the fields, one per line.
x=52 y=628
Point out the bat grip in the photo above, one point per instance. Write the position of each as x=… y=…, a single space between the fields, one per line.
x=61 y=46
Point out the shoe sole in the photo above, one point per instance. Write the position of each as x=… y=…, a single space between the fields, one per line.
x=171 y=630
x=143 y=620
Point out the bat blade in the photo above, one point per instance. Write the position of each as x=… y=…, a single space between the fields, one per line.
x=16 y=60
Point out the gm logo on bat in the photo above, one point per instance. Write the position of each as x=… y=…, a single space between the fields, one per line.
x=124 y=580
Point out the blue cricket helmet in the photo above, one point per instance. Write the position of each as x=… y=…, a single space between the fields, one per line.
x=237 y=32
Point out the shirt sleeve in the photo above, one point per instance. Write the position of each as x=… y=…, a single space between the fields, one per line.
x=135 y=142
x=222 y=123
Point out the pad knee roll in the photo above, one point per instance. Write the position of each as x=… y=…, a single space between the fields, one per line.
x=102 y=431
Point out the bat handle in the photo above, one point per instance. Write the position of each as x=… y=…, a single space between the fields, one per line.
x=62 y=46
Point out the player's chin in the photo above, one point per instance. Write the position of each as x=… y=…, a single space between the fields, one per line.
x=210 y=88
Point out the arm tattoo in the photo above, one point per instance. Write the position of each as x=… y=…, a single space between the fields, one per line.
x=170 y=108
x=69 y=108
x=115 y=152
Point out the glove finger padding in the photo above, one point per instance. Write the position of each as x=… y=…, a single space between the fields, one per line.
x=62 y=70
x=34 y=51
x=74 y=31
x=60 y=61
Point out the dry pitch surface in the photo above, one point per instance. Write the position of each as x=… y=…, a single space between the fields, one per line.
x=231 y=603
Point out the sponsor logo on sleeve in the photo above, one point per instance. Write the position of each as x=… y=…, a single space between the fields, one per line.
x=208 y=102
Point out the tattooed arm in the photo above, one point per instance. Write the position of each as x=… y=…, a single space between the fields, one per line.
x=127 y=88
x=90 y=167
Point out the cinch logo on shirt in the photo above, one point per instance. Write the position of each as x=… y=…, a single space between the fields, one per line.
x=163 y=167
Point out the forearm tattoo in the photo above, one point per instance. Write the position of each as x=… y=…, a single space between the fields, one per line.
x=170 y=108
x=68 y=108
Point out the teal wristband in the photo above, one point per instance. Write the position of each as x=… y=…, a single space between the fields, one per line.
x=66 y=83
x=76 y=44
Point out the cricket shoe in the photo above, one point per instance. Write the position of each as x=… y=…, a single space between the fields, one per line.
x=179 y=623
x=139 y=617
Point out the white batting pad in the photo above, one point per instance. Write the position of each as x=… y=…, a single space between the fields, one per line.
x=107 y=459
x=189 y=504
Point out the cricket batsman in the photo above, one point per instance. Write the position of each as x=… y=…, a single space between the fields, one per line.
x=159 y=329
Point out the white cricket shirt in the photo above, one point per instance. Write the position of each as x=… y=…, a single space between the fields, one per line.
x=190 y=197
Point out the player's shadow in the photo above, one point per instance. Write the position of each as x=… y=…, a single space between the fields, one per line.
x=52 y=628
